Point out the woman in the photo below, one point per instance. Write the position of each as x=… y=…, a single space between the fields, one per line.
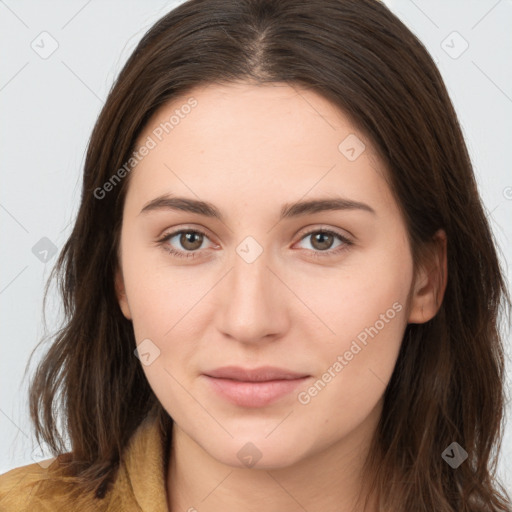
x=281 y=288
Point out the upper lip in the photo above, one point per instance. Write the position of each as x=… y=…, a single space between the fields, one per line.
x=261 y=374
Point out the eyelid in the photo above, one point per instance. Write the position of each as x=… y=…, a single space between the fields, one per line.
x=187 y=227
x=308 y=230
x=347 y=241
x=324 y=227
x=167 y=235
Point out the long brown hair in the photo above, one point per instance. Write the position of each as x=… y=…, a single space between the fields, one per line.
x=448 y=383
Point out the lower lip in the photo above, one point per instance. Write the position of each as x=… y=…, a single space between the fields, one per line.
x=254 y=394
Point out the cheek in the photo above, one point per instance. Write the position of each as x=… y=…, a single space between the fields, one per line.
x=355 y=372
x=370 y=325
x=164 y=304
x=382 y=279
x=160 y=296
x=355 y=298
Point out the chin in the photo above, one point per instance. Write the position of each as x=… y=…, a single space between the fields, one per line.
x=257 y=452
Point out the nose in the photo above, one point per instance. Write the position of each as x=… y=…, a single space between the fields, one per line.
x=253 y=302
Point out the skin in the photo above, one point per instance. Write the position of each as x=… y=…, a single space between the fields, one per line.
x=250 y=149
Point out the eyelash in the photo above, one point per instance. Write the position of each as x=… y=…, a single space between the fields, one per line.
x=316 y=254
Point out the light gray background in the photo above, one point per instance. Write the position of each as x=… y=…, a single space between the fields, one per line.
x=49 y=106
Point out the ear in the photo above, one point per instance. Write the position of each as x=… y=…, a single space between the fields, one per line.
x=430 y=283
x=121 y=294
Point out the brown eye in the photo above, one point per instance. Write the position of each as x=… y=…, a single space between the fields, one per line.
x=186 y=245
x=322 y=241
x=191 y=240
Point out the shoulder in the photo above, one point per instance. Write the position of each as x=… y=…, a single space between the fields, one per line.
x=36 y=488
x=19 y=486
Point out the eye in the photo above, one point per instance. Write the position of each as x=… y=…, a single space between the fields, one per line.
x=190 y=239
x=322 y=242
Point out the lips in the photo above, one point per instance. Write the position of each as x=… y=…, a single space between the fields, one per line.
x=264 y=373
x=252 y=388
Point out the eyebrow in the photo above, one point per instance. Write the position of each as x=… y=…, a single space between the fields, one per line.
x=289 y=210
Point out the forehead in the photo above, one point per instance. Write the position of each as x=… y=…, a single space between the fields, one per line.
x=255 y=140
x=247 y=112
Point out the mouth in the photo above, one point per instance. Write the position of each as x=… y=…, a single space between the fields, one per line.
x=253 y=387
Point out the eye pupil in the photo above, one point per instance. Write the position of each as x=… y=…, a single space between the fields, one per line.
x=321 y=238
x=188 y=238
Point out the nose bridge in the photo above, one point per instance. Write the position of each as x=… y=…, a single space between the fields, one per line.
x=252 y=304
x=250 y=274
x=250 y=279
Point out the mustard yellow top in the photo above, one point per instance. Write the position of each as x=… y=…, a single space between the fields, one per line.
x=139 y=485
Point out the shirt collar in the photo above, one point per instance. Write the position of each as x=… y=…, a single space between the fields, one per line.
x=143 y=469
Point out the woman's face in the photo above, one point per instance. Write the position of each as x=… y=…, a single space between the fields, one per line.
x=254 y=282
